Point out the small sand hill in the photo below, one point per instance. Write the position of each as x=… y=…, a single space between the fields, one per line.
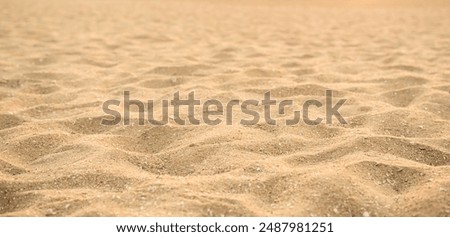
x=60 y=60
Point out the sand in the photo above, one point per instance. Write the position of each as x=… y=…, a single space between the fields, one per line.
x=60 y=60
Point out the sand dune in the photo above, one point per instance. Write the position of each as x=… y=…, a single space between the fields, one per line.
x=60 y=60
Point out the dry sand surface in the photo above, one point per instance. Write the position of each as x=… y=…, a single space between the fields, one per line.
x=60 y=60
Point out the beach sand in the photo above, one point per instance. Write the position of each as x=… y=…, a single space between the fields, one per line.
x=60 y=60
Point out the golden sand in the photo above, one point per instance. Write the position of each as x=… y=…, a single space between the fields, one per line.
x=60 y=60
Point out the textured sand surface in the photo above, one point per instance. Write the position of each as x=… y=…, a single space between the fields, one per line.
x=59 y=60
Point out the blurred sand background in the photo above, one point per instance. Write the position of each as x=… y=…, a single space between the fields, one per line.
x=59 y=60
